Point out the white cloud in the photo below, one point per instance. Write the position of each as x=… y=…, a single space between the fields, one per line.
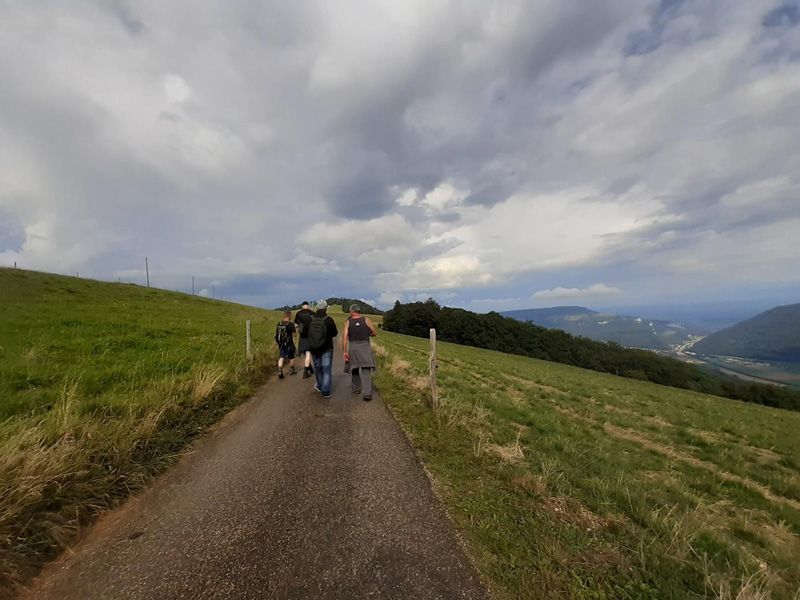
x=176 y=89
x=561 y=294
x=408 y=146
x=496 y=304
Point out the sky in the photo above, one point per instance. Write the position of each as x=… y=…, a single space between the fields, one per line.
x=489 y=155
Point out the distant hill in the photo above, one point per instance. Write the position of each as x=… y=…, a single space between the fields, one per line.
x=772 y=335
x=496 y=332
x=633 y=332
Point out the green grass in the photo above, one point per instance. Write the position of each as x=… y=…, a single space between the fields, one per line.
x=568 y=483
x=101 y=386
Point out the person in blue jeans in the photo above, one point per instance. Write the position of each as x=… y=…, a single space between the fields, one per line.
x=321 y=343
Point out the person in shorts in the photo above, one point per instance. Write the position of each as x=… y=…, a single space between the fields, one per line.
x=303 y=319
x=284 y=337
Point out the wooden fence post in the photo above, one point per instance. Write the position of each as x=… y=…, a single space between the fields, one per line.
x=433 y=366
x=247 y=330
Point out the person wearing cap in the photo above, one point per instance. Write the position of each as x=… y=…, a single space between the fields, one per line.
x=303 y=319
x=357 y=351
x=321 y=333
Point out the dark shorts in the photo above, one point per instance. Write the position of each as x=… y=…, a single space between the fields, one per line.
x=304 y=346
x=287 y=351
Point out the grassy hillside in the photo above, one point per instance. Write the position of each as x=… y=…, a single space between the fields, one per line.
x=568 y=483
x=100 y=386
x=629 y=331
x=773 y=335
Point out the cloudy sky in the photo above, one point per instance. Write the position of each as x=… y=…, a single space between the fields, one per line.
x=492 y=155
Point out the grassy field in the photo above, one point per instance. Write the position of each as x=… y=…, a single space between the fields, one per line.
x=567 y=483
x=783 y=373
x=101 y=385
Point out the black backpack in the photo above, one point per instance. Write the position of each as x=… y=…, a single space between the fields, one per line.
x=317 y=332
x=282 y=335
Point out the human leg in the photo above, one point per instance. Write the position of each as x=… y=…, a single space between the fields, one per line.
x=305 y=354
x=366 y=383
x=326 y=366
x=318 y=371
x=355 y=380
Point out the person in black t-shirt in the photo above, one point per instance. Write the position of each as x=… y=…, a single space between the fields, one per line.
x=357 y=351
x=303 y=319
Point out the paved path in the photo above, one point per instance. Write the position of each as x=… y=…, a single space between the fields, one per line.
x=292 y=496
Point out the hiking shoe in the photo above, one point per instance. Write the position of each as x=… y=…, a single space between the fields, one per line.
x=316 y=387
x=328 y=396
x=306 y=374
x=367 y=398
x=280 y=373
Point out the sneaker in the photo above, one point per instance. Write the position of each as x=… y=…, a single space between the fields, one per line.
x=306 y=374
x=280 y=373
x=316 y=387
x=328 y=396
x=367 y=398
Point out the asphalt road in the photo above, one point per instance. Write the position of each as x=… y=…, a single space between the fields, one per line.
x=292 y=496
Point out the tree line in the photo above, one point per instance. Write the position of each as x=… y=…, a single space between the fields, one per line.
x=496 y=332
x=366 y=309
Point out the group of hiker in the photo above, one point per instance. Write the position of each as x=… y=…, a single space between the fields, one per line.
x=316 y=332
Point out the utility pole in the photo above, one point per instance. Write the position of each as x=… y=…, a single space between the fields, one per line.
x=213 y=292
x=192 y=285
x=147 y=270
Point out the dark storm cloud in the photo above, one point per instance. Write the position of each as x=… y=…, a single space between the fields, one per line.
x=363 y=197
x=127 y=18
x=212 y=136
x=787 y=15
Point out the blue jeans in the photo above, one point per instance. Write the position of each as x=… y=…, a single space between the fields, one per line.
x=323 y=365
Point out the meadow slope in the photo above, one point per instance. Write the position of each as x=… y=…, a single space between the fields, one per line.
x=568 y=483
x=101 y=385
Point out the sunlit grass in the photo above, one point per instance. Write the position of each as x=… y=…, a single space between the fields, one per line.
x=569 y=483
x=101 y=385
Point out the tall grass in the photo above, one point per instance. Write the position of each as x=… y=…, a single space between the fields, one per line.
x=102 y=386
x=568 y=483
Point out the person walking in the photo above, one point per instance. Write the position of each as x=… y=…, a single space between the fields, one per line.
x=357 y=350
x=303 y=320
x=284 y=337
x=321 y=333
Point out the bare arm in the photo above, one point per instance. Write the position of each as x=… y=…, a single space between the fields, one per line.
x=345 y=336
x=372 y=331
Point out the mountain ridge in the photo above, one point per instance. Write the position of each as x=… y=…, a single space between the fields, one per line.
x=626 y=330
x=772 y=335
